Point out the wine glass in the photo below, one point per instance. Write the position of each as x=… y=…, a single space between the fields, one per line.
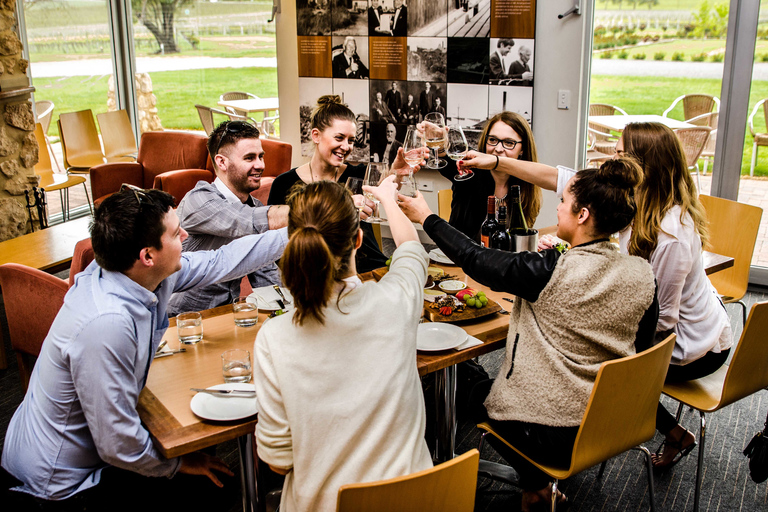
x=414 y=147
x=355 y=186
x=457 y=149
x=373 y=175
x=407 y=185
x=434 y=129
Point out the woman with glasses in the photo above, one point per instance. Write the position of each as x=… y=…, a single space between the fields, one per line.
x=506 y=135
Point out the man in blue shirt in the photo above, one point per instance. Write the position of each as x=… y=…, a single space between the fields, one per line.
x=78 y=423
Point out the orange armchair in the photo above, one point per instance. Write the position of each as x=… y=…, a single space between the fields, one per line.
x=178 y=183
x=159 y=152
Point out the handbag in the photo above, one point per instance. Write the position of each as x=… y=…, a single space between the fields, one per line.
x=757 y=452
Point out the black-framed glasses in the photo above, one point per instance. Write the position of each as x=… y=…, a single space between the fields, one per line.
x=505 y=143
x=231 y=127
x=140 y=193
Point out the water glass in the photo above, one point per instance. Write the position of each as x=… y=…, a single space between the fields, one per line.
x=236 y=365
x=246 y=311
x=375 y=173
x=190 y=327
x=355 y=186
x=407 y=185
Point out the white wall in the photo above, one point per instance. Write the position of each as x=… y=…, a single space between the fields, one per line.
x=559 y=64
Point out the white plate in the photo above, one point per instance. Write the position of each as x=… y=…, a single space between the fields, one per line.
x=439 y=256
x=434 y=336
x=266 y=298
x=225 y=408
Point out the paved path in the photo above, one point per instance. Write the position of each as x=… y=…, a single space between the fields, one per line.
x=91 y=67
x=632 y=67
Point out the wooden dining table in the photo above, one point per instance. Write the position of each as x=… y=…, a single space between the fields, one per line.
x=49 y=249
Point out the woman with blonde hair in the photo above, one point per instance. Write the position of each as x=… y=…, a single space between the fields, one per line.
x=339 y=391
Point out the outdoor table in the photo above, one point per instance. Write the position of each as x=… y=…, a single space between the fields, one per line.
x=250 y=105
x=618 y=123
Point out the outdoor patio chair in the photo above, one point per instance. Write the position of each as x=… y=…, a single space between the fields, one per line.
x=695 y=105
x=693 y=141
x=52 y=181
x=117 y=136
x=449 y=486
x=237 y=95
x=620 y=416
x=604 y=140
x=708 y=153
x=80 y=144
x=44 y=112
x=759 y=139
x=208 y=122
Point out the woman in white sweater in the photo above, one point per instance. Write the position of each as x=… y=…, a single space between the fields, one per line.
x=339 y=391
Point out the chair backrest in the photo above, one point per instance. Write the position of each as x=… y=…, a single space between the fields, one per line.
x=37 y=298
x=621 y=412
x=693 y=141
x=178 y=183
x=117 y=133
x=206 y=118
x=80 y=139
x=82 y=258
x=444 y=198
x=733 y=228
x=165 y=151
x=277 y=157
x=44 y=166
x=236 y=95
x=697 y=104
x=449 y=486
x=748 y=370
x=603 y=109
x=44 y=113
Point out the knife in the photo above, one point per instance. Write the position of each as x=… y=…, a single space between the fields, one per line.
x=227 y=392
x=280 y=293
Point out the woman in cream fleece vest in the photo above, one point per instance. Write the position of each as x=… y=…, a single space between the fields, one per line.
x=574 y=312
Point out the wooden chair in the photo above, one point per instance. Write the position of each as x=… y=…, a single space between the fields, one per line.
x=80 y=142
x=746 y=374
x=695 y=105
x=117 y=136
x=444 y=198
x=733 y=229
x=708 y=152
x=605 y=141
x=759 y=139
x=620 y=414
x=37 y=298
x=449 y=486
x=82 y=257
x=693 y=141
x=51 y=181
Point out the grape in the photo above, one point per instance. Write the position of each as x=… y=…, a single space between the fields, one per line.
x=471 y=301
x=478 y=304
x=388 y=262
x=481 y=294
x=484 y=300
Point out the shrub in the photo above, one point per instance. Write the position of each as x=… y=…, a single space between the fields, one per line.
x=699 y=57
x=606 y=55
x=678 y=56
x=623 y=54
x=638 y=56
x=659 y=56
x=717 y=57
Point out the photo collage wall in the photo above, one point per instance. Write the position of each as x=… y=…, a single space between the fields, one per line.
x=393 y=62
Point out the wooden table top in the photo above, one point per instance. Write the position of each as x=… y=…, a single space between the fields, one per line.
x=49 y=249
x=164 y=404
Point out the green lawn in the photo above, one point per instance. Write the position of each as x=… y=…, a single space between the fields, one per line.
x=653 y=95
x=687 y=47
x=177 y=92
x=662 y=5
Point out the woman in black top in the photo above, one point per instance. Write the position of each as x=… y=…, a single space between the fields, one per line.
x=333 y=133
x=506 y=134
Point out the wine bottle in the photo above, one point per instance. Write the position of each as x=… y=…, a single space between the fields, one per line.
x=500 y=238
x=517 y=223
x=490 y=224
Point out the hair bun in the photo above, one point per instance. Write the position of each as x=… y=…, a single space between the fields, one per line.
x=329 y=99
x=622 y=173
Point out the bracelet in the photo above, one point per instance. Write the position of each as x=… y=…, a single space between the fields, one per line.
x=497 y=163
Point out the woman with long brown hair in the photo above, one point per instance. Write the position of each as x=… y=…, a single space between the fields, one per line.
x=505 y=136
x=339 y=394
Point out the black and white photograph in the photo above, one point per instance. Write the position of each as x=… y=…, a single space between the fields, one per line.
x=313 y=17
x=309 y=90
x=427 y=59
x=427 y=18
x=511 y=62
x=349 y=17
x=386 y=101
x=354 y=93
x=468 y=60
x=384 y=140
x=467 y=104
x=350 y=57
x=469 y=18
x=430 y=97
x=387 y=18
x=512 y=98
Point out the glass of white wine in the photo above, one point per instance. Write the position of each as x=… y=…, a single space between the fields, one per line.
x=376 y=172
x=414 y=147
x=457 y=150
x=355 y=186
x=434 y=130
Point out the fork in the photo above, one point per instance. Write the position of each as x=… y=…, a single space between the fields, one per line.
x=280 y=293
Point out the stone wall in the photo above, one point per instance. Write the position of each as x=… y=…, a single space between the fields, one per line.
x=18 y=147
x=146 y=101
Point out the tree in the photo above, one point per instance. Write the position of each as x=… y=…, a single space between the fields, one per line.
x=158 y=16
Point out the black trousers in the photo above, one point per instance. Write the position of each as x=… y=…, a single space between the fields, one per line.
x=120 y=489
x=697 y=369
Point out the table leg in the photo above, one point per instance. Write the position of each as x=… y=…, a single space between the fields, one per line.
x=445 y=417
x=248 y=474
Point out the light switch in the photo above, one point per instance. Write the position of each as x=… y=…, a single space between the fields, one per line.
x=563 y=99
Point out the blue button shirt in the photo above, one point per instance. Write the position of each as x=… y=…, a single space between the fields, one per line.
x=79 y=414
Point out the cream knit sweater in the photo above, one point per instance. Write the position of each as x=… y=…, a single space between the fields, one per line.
x=587 y=314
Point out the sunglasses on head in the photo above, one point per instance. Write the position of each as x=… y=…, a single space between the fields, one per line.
x=140 y=193
x=231 y=127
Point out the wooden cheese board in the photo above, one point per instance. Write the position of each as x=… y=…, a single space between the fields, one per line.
x=469 y=313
